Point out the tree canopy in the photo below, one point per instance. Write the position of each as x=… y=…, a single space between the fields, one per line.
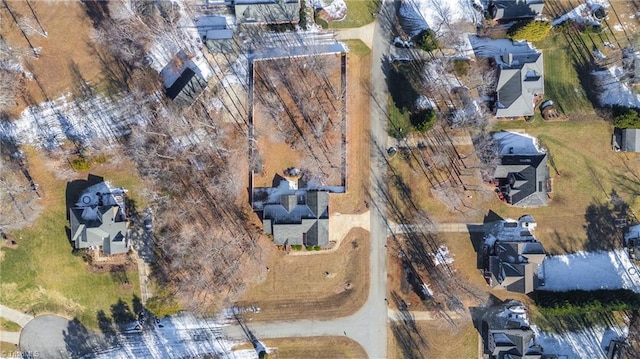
x=529 y=30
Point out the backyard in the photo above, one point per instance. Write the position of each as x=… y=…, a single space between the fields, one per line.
x=359 y=13
x=312 y=348
x=42 y=275
x=299 y=118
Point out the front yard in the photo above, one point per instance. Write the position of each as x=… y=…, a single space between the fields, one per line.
x=42 y=275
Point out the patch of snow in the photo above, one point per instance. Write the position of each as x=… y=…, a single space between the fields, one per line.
x=424 y=102
x=441 y=14
x=618 y=27
x=50 y=123
x=613 y=91
x=517 y=143
x=336 y=9
x=442 y=256
x=588 y=343
x=582 y=13
x=591 y=271
x=179 y=337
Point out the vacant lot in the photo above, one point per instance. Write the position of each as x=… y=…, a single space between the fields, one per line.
x=317 y=286
x=433 y=340
x=313 y=347
x=42 y=275
x=299 y=118
x=66 y=54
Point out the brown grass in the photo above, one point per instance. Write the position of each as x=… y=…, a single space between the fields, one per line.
x=297 y=286
x=358 y=148
x=67 y=45
x=312 y=347
x=440 y=341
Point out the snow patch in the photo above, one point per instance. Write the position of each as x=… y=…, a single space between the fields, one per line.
x=588 y=343
x=613 y=91
x=442 y=256
x=517 y=143
x=591 y=271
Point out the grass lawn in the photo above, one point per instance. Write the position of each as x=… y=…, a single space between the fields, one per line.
x=313 y=347
x=9 y=326
x=357 y=47
x=42 y=274
x=359 y=13
x=587 y=172
x=561 y=81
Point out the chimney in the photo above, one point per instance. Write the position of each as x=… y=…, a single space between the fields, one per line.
x=507 y=58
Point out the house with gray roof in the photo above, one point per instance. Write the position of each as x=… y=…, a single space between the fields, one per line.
x=267 y=11
x=512 y=255
x=522 y=174
x=507 y=333
x=631 y=140
x=215 y=34
x=99 y=219
x=301 y=218
x=507 y=10
x=520 y=82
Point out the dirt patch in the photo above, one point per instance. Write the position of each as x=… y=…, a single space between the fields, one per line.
x=66 y=54
x=299 y=118
x=312 y=287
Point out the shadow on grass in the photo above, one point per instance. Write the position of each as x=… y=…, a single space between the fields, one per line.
x=605 y=223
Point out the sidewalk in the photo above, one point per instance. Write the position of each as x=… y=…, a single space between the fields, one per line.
x=10 y=337
x=14 y=315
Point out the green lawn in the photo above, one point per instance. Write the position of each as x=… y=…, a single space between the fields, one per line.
x=9 y=326
x=359 y=13
x=357 y=47
x=561 y=81
x=42 y=274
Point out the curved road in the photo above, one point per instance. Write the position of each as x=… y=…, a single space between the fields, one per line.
x=368 y=326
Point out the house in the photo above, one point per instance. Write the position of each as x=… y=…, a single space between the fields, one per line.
x=267 y=11
x=186 y=87
x=301 y=218
x=507 y=333
x=506 y=10
x=631 y=140
x=522 y=174
x=99 y=219
x=215 y=34
x=520 y=83
x=512 y=255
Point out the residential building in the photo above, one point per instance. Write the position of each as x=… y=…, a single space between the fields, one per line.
x=267 y=11
x=631 y=140
x=215 y=34
x=99 y=219
x=301 y=218
x=506 y=10
x=186 y=87
x=522 y=176
x=512 y=255
x=520 y=84
x=507 y=333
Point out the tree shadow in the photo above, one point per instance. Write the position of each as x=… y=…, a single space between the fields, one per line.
x=122 y=315
x=79 y=341
x=605 y=223
x=97 y=11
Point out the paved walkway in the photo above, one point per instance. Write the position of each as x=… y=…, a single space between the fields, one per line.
x=15 y=316
x=143 y=274
x=10 y=337
x=364 y=33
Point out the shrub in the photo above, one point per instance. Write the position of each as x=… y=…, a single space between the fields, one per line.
x=317 y=248
x=461 y=67
x=163 y=303
x=423 y=120
x=628 y=119
x=101 y=158
x=309 y=247
x=296 y=247
x=577 y=302
x=80 y=164
x=303 y=15
x=592 y=29
x=426 y=40
x=529 y=30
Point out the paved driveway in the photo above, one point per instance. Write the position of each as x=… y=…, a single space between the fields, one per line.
x=51 y=336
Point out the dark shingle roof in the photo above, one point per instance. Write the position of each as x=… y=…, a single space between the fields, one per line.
x=186 y=87
x=523 y=179
x=291 y=222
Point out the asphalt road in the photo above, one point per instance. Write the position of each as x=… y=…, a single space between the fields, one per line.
x=368 y=326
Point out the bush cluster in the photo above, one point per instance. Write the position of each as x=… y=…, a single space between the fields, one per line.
x=628 y=118
x=577 y=302
x=529 y=30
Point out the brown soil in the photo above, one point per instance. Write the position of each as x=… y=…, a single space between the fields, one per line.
x=298 y=286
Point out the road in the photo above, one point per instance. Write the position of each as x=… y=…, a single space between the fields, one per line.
x=368 y=326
